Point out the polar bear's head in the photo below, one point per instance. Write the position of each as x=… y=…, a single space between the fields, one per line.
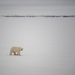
x=21 y=49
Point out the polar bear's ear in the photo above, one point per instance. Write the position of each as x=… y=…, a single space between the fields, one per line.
x=21 y=49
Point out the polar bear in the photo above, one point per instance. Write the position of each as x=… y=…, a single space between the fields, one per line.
x=16 y=50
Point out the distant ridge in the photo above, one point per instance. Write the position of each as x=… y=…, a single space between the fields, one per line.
x=65 y=16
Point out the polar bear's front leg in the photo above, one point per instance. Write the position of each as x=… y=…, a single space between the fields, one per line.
x=18 y=53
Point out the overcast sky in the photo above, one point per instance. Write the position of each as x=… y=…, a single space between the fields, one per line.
x=36 y=2
x=26 y=6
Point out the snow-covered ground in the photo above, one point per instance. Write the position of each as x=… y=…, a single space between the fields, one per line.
x=36 y=65
x=49 y=46
x=48 y=42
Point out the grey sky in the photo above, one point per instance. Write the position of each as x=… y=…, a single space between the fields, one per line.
x=36 y=2
x=37 y=7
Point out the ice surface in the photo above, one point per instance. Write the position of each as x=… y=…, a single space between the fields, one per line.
x=36 y=65
x=49 y=46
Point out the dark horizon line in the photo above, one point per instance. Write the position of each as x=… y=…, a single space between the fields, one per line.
x=37 y=15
